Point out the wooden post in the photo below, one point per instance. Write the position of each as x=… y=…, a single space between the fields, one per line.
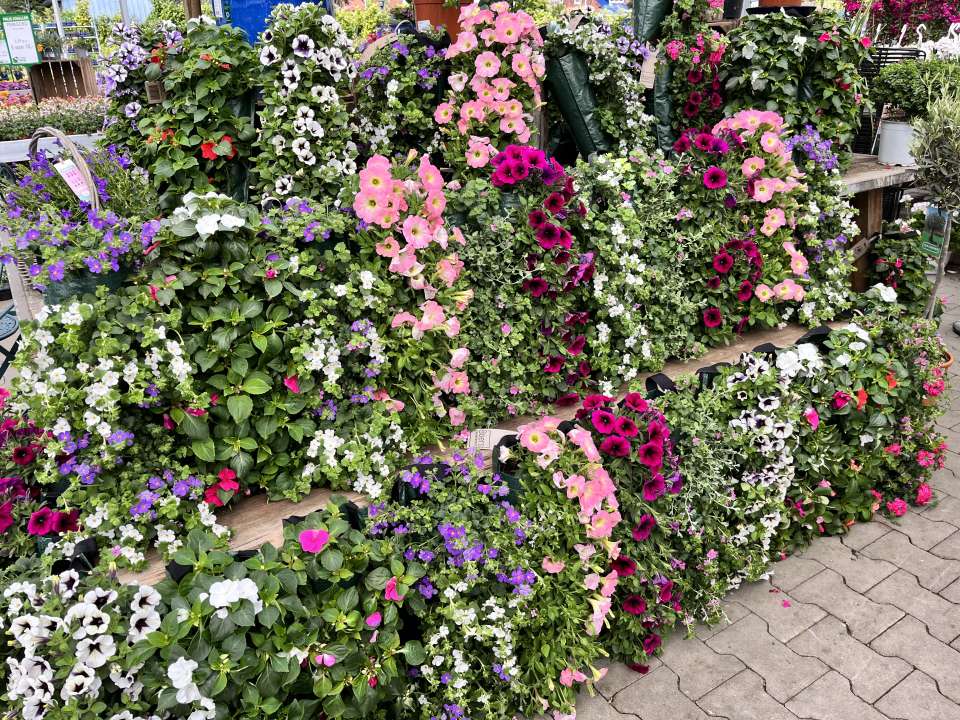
x=192 y=8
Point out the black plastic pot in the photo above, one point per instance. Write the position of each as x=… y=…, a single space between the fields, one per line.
x=732 y=9
x=659 y=385
x=817 y=336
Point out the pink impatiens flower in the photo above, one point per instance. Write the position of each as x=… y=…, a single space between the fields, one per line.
x=390 y=592
x=292 y=384
x=313 y=541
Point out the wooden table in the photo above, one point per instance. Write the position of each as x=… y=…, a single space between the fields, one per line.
x=865 y=180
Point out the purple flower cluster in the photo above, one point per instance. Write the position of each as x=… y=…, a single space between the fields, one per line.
x=190 y=487
x=814 y=148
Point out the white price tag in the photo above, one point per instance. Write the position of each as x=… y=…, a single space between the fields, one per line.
x=487 y=438
x=71 y=175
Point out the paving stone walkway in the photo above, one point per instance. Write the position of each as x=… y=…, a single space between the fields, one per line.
x=871 y=630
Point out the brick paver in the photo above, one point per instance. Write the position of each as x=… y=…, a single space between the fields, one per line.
x=871 y=630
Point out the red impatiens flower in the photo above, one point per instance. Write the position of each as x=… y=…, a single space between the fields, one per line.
x=861 y=398
x=207 y=152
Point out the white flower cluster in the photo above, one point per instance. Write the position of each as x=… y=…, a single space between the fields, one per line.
x=225 y=593
x=196 y=210
x=32 y=680
x=308 y=61
x=180 y=673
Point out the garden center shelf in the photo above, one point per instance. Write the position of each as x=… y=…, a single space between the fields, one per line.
x=12 y=151
x=255 y=522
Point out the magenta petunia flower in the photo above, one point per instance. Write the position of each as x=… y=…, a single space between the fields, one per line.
x=656 y=432
x=603 y=421
x=745 y=292
x=651 y=643
x=636 y=402
x=576 y=345
x=634 y=604
x=653 y=488
x=712 y=317
x=536 y=286
x=554 y=364
x=625 y=427
x=643 y=529
x=714 y=282
x=651 y=455
x=555 y=202
x=592 y=402
x=702 y=141
x=624 y=566
x=715 y=178
x=723 y=262
x=548 y=235
x=682 y=144
x=536 y=219
x=615 y=446
x=41 y=522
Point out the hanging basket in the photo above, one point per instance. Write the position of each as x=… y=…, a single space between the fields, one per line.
x=74 y=283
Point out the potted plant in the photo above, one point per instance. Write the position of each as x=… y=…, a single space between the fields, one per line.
x=440 y=12
x=906 y=89
x=936 y=148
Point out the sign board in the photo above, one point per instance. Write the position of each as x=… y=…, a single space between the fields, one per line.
x=934 y=231
x=4 y=53
x=20 y=44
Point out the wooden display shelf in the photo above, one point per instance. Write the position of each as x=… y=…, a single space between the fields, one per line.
x=255 y=521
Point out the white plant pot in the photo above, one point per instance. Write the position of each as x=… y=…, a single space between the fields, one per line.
x=895 y=141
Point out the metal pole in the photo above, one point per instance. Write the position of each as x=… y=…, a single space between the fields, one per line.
x=941 y=267
x=56 y=16
x=124 y=12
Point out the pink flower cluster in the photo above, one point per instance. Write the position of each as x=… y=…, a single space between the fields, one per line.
x=411 y=210
x=702 y=59
x=498 y=82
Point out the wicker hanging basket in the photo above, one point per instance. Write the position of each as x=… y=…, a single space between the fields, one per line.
x=75 y=153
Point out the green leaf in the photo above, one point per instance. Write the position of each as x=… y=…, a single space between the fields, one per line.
x=257 y=383
x=204 y=449
x=195 y=427
x=240 y=407
x=414 y=653
x=332 y=560
x=273 y=287
x=268 y=616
